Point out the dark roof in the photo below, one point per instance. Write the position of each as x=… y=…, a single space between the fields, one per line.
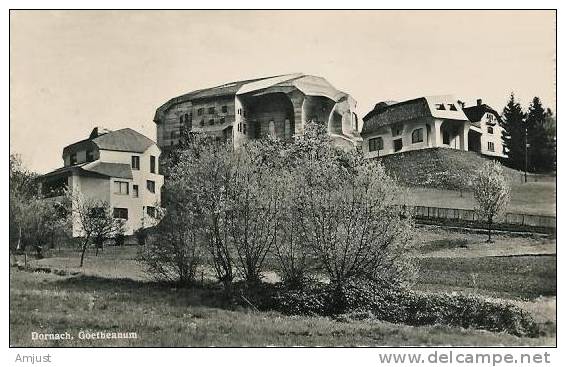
x=93 y=169
x=384 y=115
x=475 y=113
x=120 y=170
x=125 y=140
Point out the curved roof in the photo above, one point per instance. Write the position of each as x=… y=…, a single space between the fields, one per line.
x=309 y=85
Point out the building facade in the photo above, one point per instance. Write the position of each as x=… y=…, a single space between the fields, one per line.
x=425 y=122
x=275 y=106
x=486 y=132
x=119 y=167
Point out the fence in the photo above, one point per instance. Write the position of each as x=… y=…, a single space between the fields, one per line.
x=467 y=215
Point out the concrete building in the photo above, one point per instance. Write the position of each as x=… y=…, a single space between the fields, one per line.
x=251 y=109
x=119 y=167
x=486 y=133
x=425 y=122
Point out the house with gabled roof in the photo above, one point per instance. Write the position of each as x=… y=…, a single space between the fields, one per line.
x=276 y=106
x=120 y=167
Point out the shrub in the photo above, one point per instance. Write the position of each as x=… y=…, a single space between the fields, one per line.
x=371 y=301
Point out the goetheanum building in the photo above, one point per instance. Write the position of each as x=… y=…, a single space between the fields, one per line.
x=275 y=106
x=426 y=122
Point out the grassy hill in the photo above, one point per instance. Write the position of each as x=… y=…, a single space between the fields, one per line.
x=436 y=168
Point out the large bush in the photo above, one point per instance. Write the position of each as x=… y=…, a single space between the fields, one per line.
x=366 y=301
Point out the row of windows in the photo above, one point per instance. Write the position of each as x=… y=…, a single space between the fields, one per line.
x=136 y=163
x=123 y=188
x=213 y=121
x=89 y=157
x=376 y=144
x=211 y=110
x=122 y=213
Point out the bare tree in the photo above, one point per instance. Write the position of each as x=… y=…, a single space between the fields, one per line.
x=95 y=221
x=491 y=192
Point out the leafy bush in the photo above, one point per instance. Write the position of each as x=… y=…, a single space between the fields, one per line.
x=366 y=300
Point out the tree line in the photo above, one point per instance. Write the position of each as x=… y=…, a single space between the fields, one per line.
x=529 y=137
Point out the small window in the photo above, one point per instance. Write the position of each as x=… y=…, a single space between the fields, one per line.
x=239 y=111
x=121 y=213
x=211 y=122
x=397 y=144
x=375 y=144
x=239 y=127
x=271 y=128
x=222 y=120
x=180 y=119
x=135 y=191
x=121 y=187
x=490 y=146
x=201 y=123
x=151 y=211
x=152 y=164
x=244 y=128
x=446 y=138
x=90 y=155
x=452 y=107
x=211 y=110
x=73 y=159
x=417 y=136
x=151 y=186
x=440 y=106
x=224 y=109
x=200 y=111
x=490 y=130
x=135 y=162
x=186 y=117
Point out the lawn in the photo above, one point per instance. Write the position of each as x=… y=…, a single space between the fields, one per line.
x=111 y=293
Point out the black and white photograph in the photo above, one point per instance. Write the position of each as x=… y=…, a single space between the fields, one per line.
x=283 y=178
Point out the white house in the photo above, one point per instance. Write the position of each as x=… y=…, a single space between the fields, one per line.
x=428 y=122
x=119 y=167
x=486 y=132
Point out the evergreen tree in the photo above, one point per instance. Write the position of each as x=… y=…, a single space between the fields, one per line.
x=514 y=133
x=540 y=139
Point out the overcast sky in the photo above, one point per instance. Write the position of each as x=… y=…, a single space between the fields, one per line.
x=71 y=71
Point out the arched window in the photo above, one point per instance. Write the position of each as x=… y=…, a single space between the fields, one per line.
x=417 y=136
x=490 y=130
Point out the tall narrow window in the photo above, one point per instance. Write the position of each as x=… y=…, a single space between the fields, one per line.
x=490 y=146
x=272 y=128
x=151 y=186
x=136 y=191
x=73 y=159
x=136 y=162
x=224 y=109
x=417 y=136
x=152 y=164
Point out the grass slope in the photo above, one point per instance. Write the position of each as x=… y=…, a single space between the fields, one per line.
x=426 y=167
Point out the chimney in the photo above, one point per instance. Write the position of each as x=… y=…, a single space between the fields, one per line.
x=479 y=101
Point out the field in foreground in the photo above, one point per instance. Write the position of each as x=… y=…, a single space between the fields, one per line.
x=111 y=294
